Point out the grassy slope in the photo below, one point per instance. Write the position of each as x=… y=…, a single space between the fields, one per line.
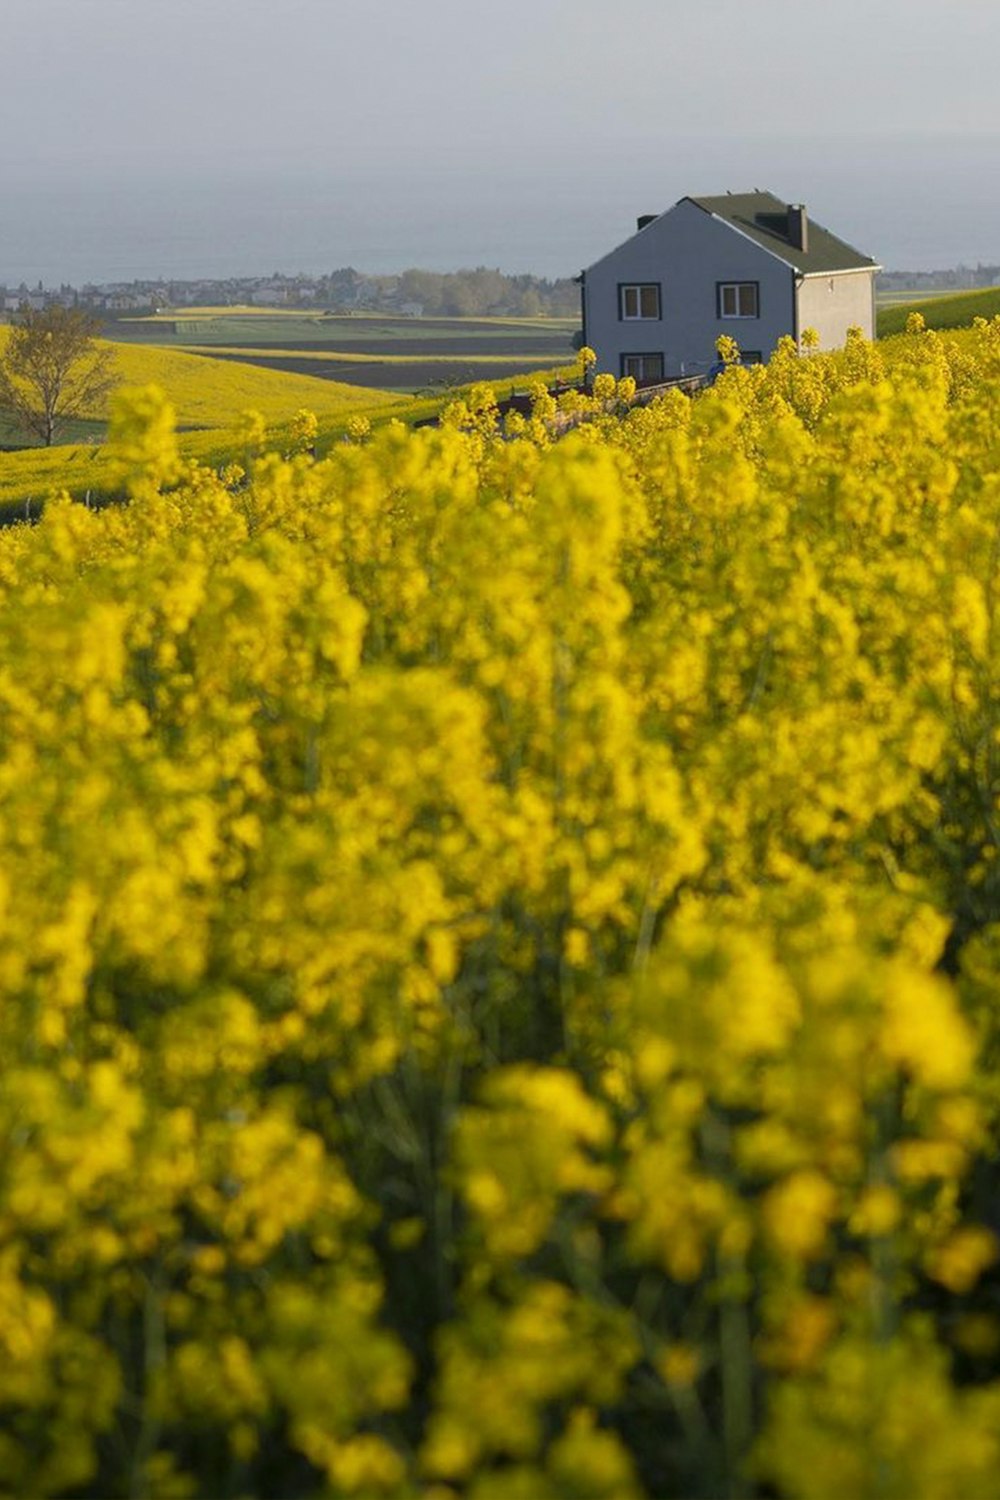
x=955 y=310
x=213 y=393
x=217 y=395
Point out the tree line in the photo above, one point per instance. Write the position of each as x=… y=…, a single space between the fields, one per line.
x=480 y=292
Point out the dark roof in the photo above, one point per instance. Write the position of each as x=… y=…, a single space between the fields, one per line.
x=763 y=218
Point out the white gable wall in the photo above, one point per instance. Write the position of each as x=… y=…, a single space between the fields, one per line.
x=831 y=304
x=688 y=252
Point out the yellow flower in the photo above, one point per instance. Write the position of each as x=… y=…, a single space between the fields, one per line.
x=960 y=1261
x=797 y=1213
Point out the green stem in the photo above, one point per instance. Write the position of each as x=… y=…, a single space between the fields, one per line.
x=737 y=1397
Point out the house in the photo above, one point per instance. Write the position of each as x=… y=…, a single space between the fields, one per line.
x=744 y=264
x=125 y=302
x=16 y=301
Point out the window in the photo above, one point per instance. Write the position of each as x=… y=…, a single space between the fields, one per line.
x=644 y=368
x=739 y=299
x=751 y=357
x=639 y=302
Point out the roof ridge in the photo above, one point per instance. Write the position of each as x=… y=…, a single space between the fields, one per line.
x=744 y=213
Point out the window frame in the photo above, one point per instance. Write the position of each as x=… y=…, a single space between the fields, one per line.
x=639 y=287
x=721 y=287
x=644 y=354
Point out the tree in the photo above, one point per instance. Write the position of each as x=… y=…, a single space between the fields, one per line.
x=53 y=370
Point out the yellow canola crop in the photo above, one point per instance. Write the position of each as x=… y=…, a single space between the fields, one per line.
x=499 y=950
x=218 y=395
x=207 y=392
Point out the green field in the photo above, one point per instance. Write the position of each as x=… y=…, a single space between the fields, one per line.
x=406 y=356
x=894 y=295
x=255 y=327
x=951 y=310
x=13 y=437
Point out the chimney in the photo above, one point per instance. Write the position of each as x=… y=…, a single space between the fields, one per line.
x=645 y=219
x=798 y=227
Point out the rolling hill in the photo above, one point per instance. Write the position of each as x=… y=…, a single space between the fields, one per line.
x=953 y=311
x=210 y=393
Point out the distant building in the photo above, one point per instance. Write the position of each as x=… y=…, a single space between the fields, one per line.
x=126 y=302
x=13 y=302
x=271 y=294
x=744 y=264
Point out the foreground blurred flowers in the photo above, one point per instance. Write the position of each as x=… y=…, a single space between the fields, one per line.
x=500 y=948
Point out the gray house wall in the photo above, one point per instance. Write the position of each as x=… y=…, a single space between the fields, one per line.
x=831 y=304
x=688 y=252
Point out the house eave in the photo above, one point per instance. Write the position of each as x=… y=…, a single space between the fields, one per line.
x=845 y=271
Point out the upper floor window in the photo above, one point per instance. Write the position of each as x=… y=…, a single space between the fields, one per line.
x=739 y=299
x=639 y=301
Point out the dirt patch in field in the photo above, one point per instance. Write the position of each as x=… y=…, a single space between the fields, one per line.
x=413 y=375
x=558 y=346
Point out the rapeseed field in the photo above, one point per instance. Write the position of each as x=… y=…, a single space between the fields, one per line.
x=500 y=952
x=206 y=392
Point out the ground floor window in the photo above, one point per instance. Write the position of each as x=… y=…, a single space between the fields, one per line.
x=739 y=299
x=643 y=368
x=751 y=357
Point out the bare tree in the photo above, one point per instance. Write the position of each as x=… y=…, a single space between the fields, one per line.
x=52 y=370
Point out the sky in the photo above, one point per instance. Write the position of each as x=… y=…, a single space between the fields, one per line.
x=190 y=137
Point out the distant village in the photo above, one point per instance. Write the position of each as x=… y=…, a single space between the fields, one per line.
x=477 y=293
x=958 y=279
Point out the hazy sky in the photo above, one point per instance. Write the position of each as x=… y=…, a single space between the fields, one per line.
x=172 y=136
